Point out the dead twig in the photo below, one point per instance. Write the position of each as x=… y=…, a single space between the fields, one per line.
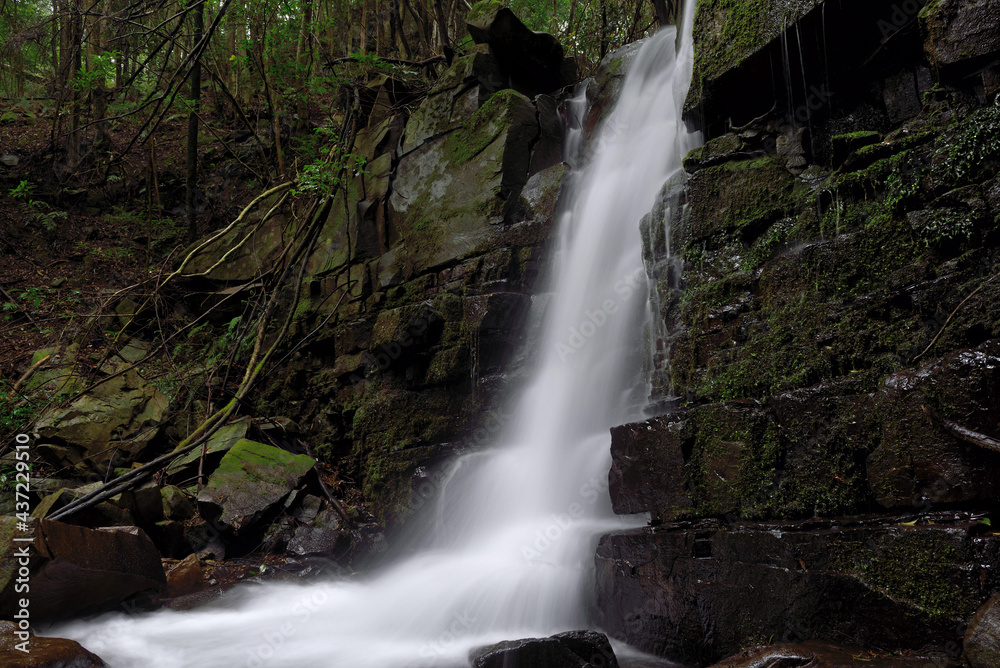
x=962 y=433
x=946 y=322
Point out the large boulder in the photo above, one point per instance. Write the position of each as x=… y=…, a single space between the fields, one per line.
x=470 y=81
x=73 y=570
x=40 y=652
x=109 y=426
x=449 y=194
x=224 y=438
x=699 y=593
x=573 y=649
x=250 y=480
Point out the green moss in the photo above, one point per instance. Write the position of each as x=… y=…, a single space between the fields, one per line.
x=854 y=136
x=481 y=130
x=919 y=567
x=726 y=32
x=739 y=198
x=260 y=462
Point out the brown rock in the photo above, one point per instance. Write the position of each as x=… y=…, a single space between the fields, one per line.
x=982 y=637
x=185 y=577
x=74 y=570
x=43 y=652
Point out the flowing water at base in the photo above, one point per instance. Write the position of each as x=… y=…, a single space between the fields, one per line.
x=511 y=549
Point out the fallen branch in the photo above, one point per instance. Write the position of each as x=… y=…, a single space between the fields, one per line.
x=124 y=482
x=962 y=433
x=946 y=322
x=329 y=496
x=394 y=61
x=27 y=375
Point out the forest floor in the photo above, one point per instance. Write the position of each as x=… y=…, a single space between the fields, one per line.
x=67 y=246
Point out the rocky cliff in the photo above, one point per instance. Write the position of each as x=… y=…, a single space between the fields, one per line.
x=834 y=316
x=414 y=295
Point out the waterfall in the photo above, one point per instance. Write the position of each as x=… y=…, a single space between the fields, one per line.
x=517 y=525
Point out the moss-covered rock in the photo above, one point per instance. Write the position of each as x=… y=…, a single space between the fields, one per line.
x=961 y=32
x=448 y=195
x=250 y=479
x=739 y=199
x=109 y=426
x=727 y=32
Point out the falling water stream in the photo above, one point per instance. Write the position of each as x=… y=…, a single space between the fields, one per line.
x=513 y=550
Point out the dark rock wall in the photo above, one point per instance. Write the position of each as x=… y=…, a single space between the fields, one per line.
x=834 y=347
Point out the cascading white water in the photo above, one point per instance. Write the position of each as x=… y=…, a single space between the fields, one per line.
x=518 y=523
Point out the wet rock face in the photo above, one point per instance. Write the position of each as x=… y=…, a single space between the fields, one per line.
x=961 y=35
x=918 y=462
x=75 y=571
x=826 y=450
x=573 y=649
x=831 y=345
x=697 y=594
x=42 y=652
x=798 y=454
x=982 y=638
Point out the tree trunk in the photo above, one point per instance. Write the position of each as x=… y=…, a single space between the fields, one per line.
x=303 y=58
x=75 y=62
x=191 y=190
x=604 y=28
x=442 y=24
x=660 y=9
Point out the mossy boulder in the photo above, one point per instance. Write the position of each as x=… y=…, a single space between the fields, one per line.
x=251 y=478
x=109 y=426
x=461 y=90
x=224 y=438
